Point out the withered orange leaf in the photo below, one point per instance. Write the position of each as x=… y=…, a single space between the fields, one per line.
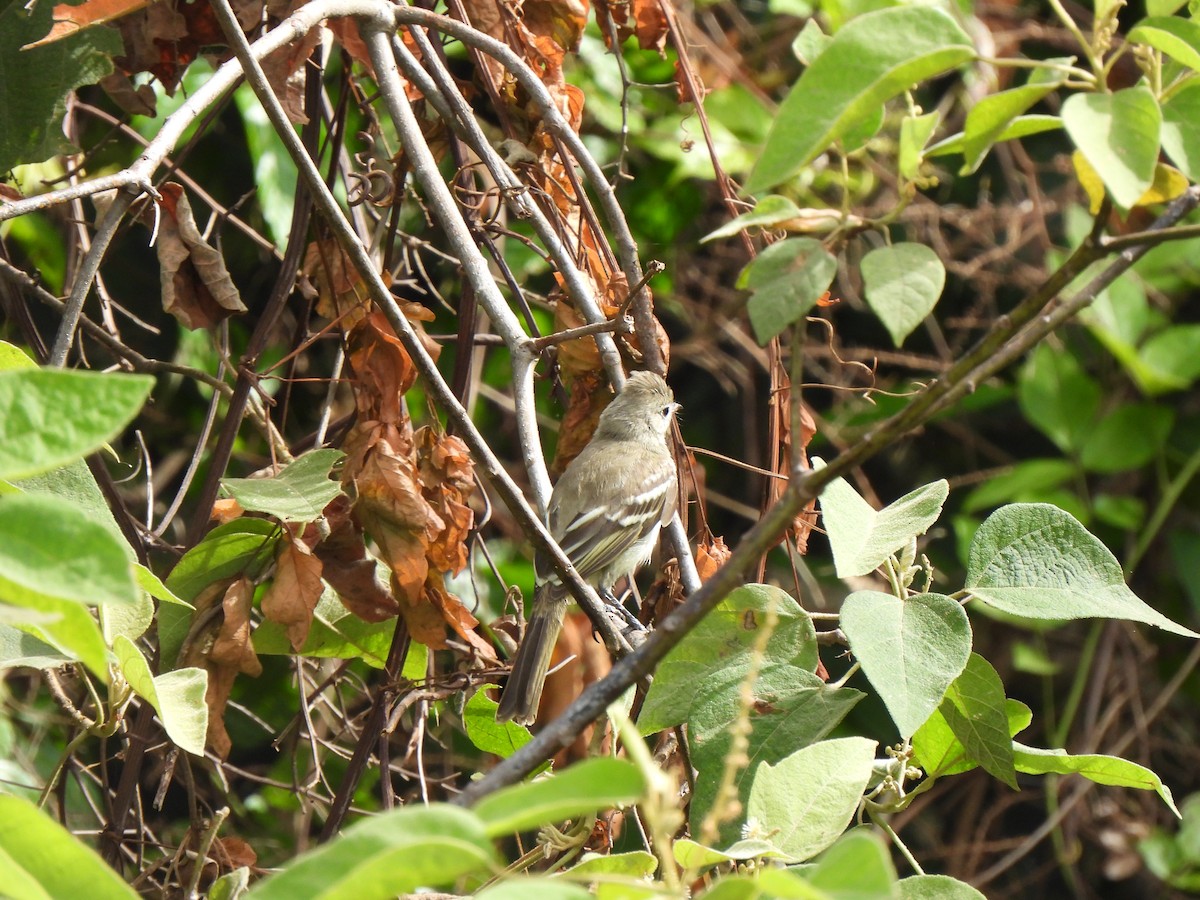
x=445 y=468
x=710 y=556
x=293 y=594
x=69 y=19
x=457 y=616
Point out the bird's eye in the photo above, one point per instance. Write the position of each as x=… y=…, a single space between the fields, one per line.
x=666 y=411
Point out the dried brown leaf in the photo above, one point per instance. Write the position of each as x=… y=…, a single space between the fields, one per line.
x=293 y=594
x=446 y=475
x=285 y=71
x=348 y=568
x=457 y=616
x=221 y=645
x=196 y=287
x=710 y=556
x=589 y=395
x=383 y=370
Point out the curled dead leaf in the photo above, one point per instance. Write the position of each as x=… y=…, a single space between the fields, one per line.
x=196 y=287
x=710 y=556
x=293 y=593
x=219 y=642
x=349 y=569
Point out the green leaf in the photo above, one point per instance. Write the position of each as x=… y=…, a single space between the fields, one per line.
x=785 y=281
x=994 y=114
x=584 y=788
x=49 y=417
x=130 y=619
x=177 y=697
x=911 y=650
x=862 y=538
x=770 y=210
x=502 y=739
x=715 y=657
x=274 y=176
x=523 y=888
x=806 y=801
x=769 y=881
x=940 y=753
x=1021 y=126
x=243 y=546
x=35 y=83
x=1110 y=770
x=1026 y=481
x=791 y=708
x=915 y=132
x=1034 y=560
x=696 y=856
x=633 y=864
x=299 y=493
x=902 y=284
x=857 y=866
x=49 y=550
x=873 y=58
x=1173 y=356
x=1118 y=134
x=20 y=649
x=40 y=858
x=1177 y=37
x=1058 y=397
x=72 y=630
x=152 y=585
x=937 y=887
x=977 y=714
x=336 y=633
x=1129 y=437
x=231 y=885
x=1163 y=7
x=1181 y=130
x=810 y=43
x=1120 y=511
x=393 y=853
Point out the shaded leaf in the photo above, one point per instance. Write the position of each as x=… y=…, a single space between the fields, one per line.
x=976 y=712
x=785 y=282
x=35 y=83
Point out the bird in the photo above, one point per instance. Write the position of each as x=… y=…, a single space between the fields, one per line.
x=605 y=513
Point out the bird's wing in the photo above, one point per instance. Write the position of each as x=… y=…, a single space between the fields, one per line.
x=595 y=537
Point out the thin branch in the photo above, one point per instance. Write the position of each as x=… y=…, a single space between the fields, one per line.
x=439 y=391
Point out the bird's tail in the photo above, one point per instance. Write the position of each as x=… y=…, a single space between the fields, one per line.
x=523 y=692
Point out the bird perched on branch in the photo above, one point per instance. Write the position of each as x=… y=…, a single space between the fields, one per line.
x=605 y=512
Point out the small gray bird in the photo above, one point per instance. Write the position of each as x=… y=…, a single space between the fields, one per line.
x=605 y=513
